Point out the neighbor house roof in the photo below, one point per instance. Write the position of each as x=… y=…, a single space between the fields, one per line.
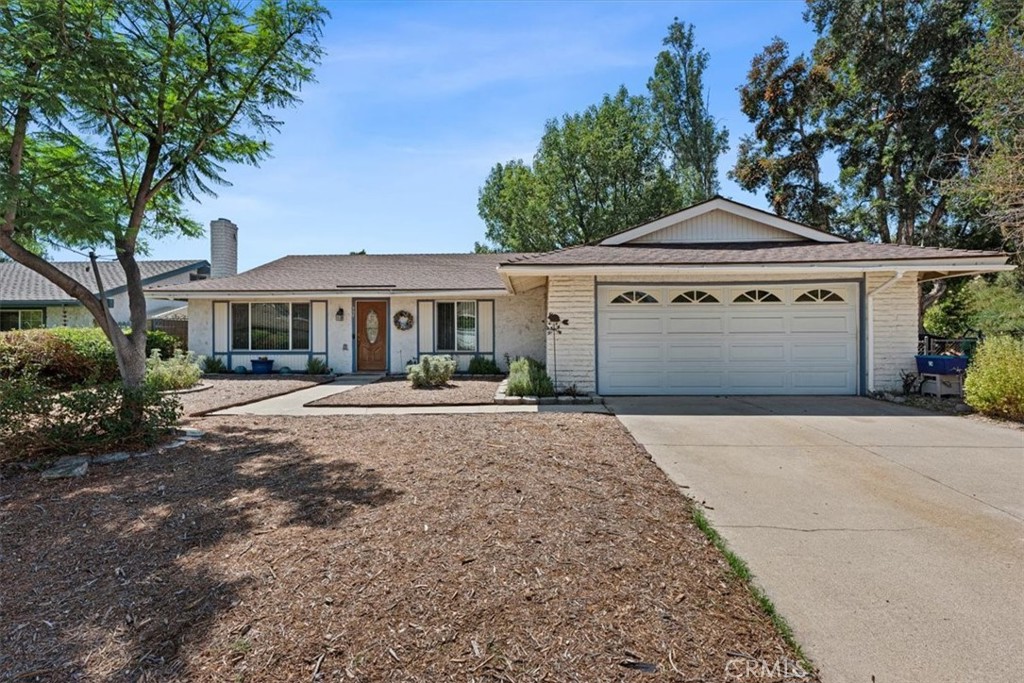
x=19 y=284
x=743 y=253
x=358 y=273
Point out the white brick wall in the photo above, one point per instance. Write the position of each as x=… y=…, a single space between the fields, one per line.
x=895 y=328
x=519 y=325
x=573 y=298
x=200 y=327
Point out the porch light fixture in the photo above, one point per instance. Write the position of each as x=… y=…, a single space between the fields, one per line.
x=340 y=315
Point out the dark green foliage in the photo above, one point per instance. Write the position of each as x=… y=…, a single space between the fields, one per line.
x=60 y=358
x=483 y=365
x=528 y=377
x=211 y=365
x=39 y=421
x=990 y=305
x=995 y=379
x=317 y=366
x=160 y=341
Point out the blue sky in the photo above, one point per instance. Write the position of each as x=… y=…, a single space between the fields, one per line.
x=415 y=102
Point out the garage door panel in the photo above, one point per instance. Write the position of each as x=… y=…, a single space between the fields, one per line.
x=756 y=324
x=757 y=352
x=840 y=352
x=750 y=347
x=838 y=322
x=708 y=351
x=648 y=324
x=703 y=324
x=632 y=353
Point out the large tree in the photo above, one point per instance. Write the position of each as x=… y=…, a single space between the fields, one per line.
x=619 y=163
x=992 y=86
x=784 y=100
x=686 y=129
x=114 y=112
x=594 y=173
x=888 y=109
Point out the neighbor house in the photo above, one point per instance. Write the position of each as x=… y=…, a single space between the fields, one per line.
x=28 y=300
x=719 y=298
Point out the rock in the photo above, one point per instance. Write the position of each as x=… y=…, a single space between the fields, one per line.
x=111 y=458
x=963 y=408
x=530 y=400
x=68 y=466
x=547 y=400
x=565 y=399
x=898 y=399
x=177 y=443
x=584 y=399
x=189 y=434
x=144 y=454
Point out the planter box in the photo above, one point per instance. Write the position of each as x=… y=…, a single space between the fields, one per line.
x=262 y=367
x=941 y=365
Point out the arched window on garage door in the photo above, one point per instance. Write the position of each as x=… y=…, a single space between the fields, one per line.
x=818 y=296
x=757 y=296
x=634 y=297
x=694 y=296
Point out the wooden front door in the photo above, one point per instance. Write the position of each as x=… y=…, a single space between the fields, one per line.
x=371 y=336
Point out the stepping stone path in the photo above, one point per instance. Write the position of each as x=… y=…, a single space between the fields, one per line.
x=69 y=466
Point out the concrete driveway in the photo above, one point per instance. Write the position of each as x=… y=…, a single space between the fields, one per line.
x=891 y=539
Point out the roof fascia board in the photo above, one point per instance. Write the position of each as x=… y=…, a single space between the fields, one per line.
x=721 y=204
x=988 y=267
x=161 y=276
x=332 y=294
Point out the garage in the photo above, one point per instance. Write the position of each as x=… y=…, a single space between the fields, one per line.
x=727 y=339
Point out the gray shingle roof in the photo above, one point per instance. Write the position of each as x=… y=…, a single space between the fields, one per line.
x=19 y=284
x=739 y=253
x=401 y=272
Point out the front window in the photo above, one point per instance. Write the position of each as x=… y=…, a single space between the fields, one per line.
x=456 y=326
x=22 y=319
x=270 y=327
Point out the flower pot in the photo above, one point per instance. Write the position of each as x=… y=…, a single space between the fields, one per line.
x=262 y=367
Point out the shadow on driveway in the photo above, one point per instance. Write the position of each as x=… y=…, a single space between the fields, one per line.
x=839 y=406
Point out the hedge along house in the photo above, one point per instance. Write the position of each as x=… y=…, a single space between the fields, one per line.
x=719 y=298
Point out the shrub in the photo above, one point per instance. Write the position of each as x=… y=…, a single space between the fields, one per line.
x=160 y=340
x=482 y=365
x=432 y=371
x=180 y=371
x=37 y=420
x=528 y=377
x=61 y=358
x=317 y=366
x=211 y=365
x=995 y=379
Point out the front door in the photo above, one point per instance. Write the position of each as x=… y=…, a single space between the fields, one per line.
x=371 y=336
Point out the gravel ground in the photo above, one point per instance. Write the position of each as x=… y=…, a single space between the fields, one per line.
x=379 y=548
x=397 y=391
x=231 y=390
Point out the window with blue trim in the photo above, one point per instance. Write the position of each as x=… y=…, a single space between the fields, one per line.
x=456 y=323
x=270 y=327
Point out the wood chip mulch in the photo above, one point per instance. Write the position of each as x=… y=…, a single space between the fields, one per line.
x=511 y=547
x=397 y=391
x=228 y=391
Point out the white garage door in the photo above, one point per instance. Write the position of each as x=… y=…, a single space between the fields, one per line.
x=746 y=339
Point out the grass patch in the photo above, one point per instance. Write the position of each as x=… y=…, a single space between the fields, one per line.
x=742 y=572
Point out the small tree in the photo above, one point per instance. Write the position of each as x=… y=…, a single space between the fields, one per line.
x=114 y=112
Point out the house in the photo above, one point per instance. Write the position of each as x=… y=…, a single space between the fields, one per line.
x=719 y=298
x=28 y=300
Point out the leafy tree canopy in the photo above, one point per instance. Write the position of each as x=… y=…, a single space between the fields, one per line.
x=114 y=112
x=619 y=163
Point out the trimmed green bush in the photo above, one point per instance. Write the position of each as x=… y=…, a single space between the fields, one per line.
x=995 y=379
x=159 y=340
x=528 y=377
x=431 y=371
x=39 y=421
x=180 y=371
x=483 y=365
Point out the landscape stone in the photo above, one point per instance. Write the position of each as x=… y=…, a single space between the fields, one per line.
x=110 y=458
x=530 y=400
x=962 y=408
x=68 y=466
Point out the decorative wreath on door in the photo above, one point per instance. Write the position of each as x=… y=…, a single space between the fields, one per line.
x=403 y=320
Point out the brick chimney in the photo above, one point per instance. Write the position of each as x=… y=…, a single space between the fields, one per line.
x=223 y=248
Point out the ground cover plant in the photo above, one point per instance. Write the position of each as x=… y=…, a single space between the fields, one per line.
x=498 y=547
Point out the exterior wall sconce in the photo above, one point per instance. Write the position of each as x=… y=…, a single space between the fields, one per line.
x=340 y=315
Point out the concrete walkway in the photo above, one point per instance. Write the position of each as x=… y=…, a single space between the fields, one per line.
x=889 y=538
x=295 y=404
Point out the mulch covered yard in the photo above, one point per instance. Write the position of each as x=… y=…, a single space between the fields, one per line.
x=227 y=391
x=510 y=547
x=397 y=391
